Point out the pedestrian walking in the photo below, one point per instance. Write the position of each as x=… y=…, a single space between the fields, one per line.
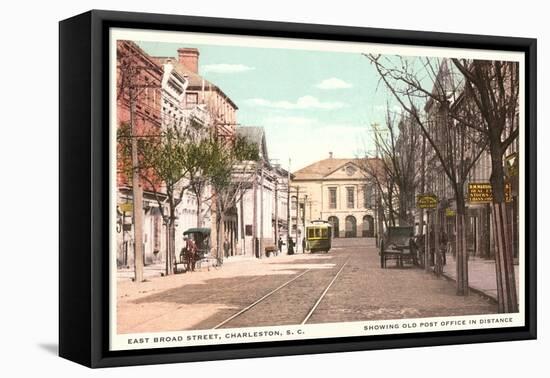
x=183 y=252
x=226 y=247
x=290 y=246
x=280 y=245
x=431 y=246
x=443 y=244
x=303 y=245
x=452 y=241
x=191 y=254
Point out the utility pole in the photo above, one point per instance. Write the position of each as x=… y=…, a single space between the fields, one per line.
x=297 y=214
x=427 y=242
x=137 y=195
x=167 y=234
x=305 y=205
x=261 y=210
x=277 y=213
x=288 y=226
x=379 y=215
x=437 y=261
x=423 y=189
x=255 y=215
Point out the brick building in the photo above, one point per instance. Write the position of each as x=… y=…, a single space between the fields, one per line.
x=221 y=110
x=139 y=81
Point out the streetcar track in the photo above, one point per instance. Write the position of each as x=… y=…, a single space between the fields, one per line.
x=312 y=310
x=325 y=292
x=261 y=299
x=199 y=301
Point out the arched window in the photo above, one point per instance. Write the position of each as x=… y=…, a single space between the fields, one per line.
x=351 y=227
x=368 y=226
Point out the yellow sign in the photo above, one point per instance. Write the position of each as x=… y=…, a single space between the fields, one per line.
x=450 y=212
x=127 y=207
x=480 y=193
x=483 y=192
x=426 y=201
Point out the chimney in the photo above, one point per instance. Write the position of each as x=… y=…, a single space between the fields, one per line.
x=330 y=155
x=189 y=57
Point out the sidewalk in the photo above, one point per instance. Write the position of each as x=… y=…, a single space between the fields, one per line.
x=157 y=270
x=481 y=275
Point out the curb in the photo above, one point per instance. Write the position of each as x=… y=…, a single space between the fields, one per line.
x=474 y=289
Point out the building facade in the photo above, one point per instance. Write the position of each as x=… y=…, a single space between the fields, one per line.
x=139 y=86
x=262 y=208
x=335 y=190
x=167 y=92
x=478 y=223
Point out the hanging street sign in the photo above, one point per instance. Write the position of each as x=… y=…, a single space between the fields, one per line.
x=426 y=201
x=126 y=207
x=449 y=212
x=482 y=192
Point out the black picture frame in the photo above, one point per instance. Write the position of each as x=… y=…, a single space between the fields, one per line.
x=83 y=180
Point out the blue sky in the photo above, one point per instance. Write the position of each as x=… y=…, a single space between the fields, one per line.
x=309 y=102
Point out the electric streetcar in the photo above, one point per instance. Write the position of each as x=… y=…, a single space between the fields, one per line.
x=319 y=236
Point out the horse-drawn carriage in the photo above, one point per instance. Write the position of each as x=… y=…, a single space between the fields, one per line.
x=195 y=250
x=399 y=245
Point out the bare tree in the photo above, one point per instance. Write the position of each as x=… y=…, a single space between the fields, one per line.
x=397 y=146
x=494 y=88
x=444 y=124
x=379 y=177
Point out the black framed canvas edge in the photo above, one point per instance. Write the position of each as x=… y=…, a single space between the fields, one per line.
x=83 y=179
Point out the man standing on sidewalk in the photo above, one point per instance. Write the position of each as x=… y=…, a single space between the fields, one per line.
x=226 y=247
x=443 y=244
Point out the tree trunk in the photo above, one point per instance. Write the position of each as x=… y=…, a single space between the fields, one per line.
x=172 y=244
x=219 y=221
x=504 y=259
x=462 y=286
x=403 y=221
x=168 y=267
x=485 y=232
x=199 y=209
x=506 y=284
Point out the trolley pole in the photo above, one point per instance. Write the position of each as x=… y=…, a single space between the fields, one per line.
x=277 y=214
x=288 y=226
x=297 y=214
x=261 y=252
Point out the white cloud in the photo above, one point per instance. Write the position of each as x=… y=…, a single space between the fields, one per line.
x=333 y=83
x=304 y=102
x=226 y=68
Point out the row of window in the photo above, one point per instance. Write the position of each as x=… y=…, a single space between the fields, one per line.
x=350 y=197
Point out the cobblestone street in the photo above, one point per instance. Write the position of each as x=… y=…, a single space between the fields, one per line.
x=362 y=291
